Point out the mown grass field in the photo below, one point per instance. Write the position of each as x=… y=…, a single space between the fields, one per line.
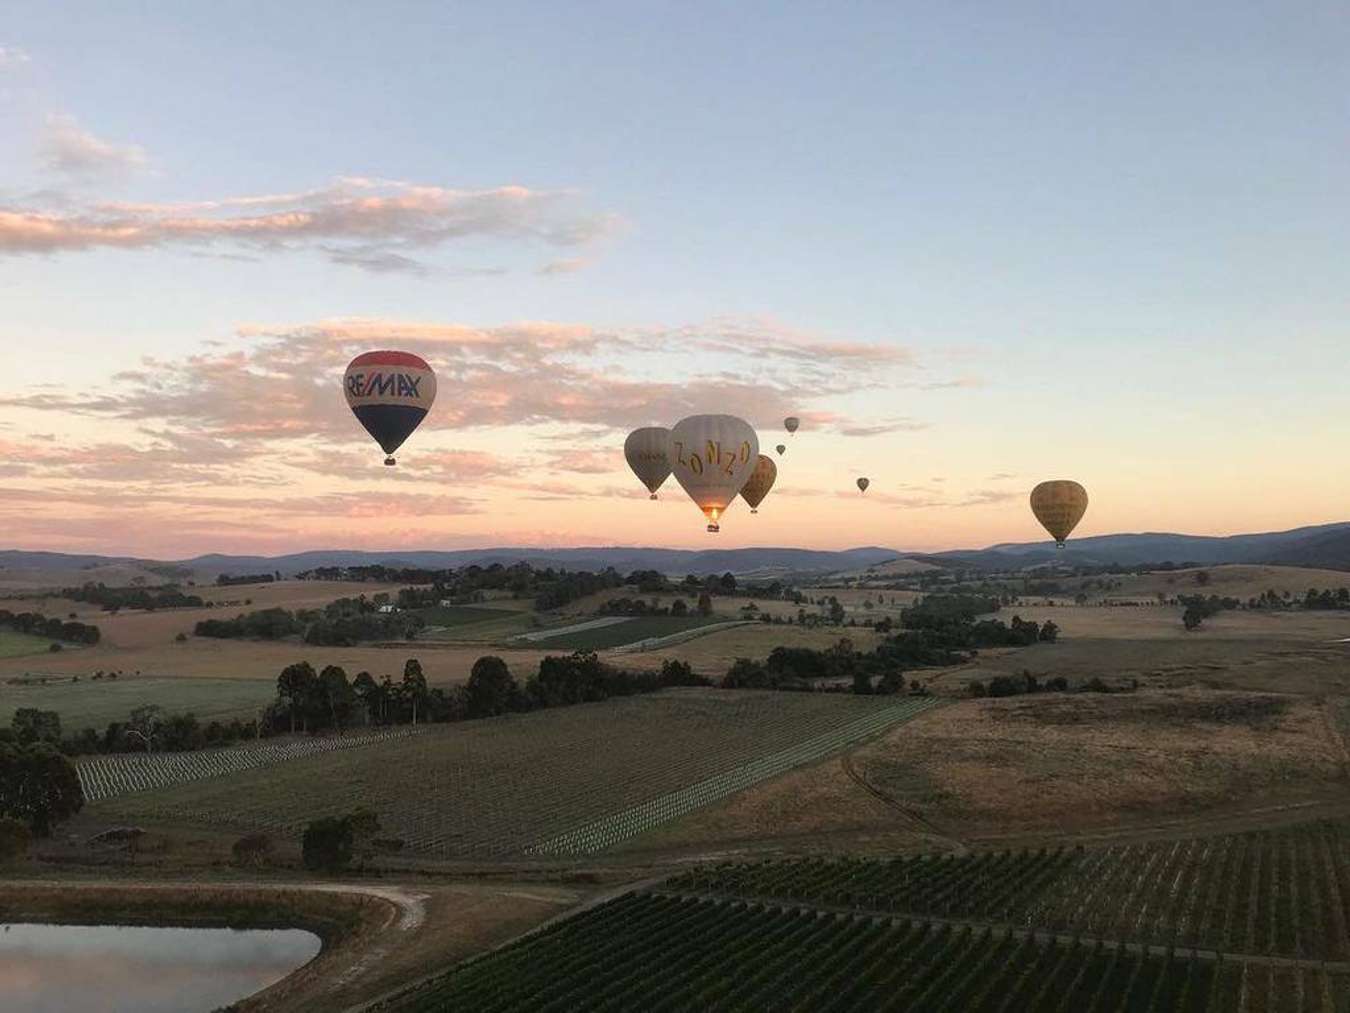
x=94 y=703
x=522 y=783
x=21 y=645
x=1241 y=922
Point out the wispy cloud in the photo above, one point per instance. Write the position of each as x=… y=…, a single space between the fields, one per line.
x=375 y=225
x=12 y=57
x=904 y=425
x=69 y=148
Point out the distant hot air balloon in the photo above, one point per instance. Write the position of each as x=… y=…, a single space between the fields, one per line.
x=781 y=448
x=390 y=393
x=1059 y=506
x=648 y=454
x=863 y=483
x=791 y=423
x=760 y=482
x=712 y=457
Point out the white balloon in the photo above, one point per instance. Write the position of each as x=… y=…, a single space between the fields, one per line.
x=712 y=457
x=648 y=454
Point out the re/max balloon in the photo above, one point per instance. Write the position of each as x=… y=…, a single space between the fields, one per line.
x=1059 y=506
x=390 y=394
x=647 y=452
x=760 y=482
x=712 y=457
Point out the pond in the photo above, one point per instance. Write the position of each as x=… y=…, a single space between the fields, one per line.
x=67 y=968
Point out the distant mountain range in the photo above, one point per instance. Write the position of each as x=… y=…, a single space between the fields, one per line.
x=1326 y=546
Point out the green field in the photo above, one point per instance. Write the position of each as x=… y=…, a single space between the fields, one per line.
x=1253 y=921
x=629 y=632
x=474 y=622
x=648 y=951
x=18 y=645
x=93 y=703
x=564 y=781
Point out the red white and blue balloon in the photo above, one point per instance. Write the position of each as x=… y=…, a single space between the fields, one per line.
x=390 y=394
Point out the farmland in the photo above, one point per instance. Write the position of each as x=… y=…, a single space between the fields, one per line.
x=92 y=703
x=628 y=631
x=570 y=780
x=672 y=951
x=20 y=645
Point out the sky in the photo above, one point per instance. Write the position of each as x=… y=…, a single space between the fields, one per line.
x=971 y=245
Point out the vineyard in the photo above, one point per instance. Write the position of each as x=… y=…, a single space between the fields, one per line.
x=1280 y=892
x=660 y=953
x=105 y=777
x=569 y=781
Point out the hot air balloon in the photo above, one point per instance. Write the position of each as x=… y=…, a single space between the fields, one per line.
x=1059 y=506
x=863 y=483
x=647 y=452
x=712 y=456
x=781 y=448
x=791 y=423
x=390 y=394
x=760 y=482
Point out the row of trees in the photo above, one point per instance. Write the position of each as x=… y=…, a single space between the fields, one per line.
x=149 y=598
x=55 y=629
x=343 y=623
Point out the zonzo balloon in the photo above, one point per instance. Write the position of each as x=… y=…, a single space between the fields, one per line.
x=390 y=394
x=1059 y=506
x=760 y=482
x=647 y=452
x=712 y=457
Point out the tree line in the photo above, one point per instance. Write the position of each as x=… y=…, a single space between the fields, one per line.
x=38 y=625
x=342 y=623
x=111 y=599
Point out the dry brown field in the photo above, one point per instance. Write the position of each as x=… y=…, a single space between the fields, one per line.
x=1294 y=652
x=714 y=653
x=1043 y=766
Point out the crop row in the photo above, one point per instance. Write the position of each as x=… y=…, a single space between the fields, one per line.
x=106 y=777
x=660 y=953
x=1281 y=891
x=604 y=833
x=573 y=778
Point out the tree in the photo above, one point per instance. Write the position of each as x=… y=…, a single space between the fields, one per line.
x=368 y=692
x=144 y=725
x=1202 y=577
x=490 y=688
x=326 y=845
x=33 y=725
x=862 y=683
x=727 y=584
x=414 y=685
x=1049 y=632
x=705 y=606
x=679 y=608
x=365 y=825
x=38 y=786
x=14 y=839
x=295 y=685
x=337 y=694
x=1193 y=617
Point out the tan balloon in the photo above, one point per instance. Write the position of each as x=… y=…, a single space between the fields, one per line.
x=712 y=457
x=791 y=423
x=761 y=481
x=647 y=452
x=863 y=483
x=1059 y=506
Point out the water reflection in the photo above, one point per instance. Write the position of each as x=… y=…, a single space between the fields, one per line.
x=107 y=968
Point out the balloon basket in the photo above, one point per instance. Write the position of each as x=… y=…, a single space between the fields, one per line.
x=389 y=462
x=714 y=528
x=652 y=496
x=753 y=511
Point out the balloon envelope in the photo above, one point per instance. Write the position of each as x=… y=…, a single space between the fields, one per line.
x=1059 y=506
x=390 y=394
x=760 y=482
x=647 y=452
x=863 y=483
x=712 y=457
x=781 y=448
x=791 y=423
